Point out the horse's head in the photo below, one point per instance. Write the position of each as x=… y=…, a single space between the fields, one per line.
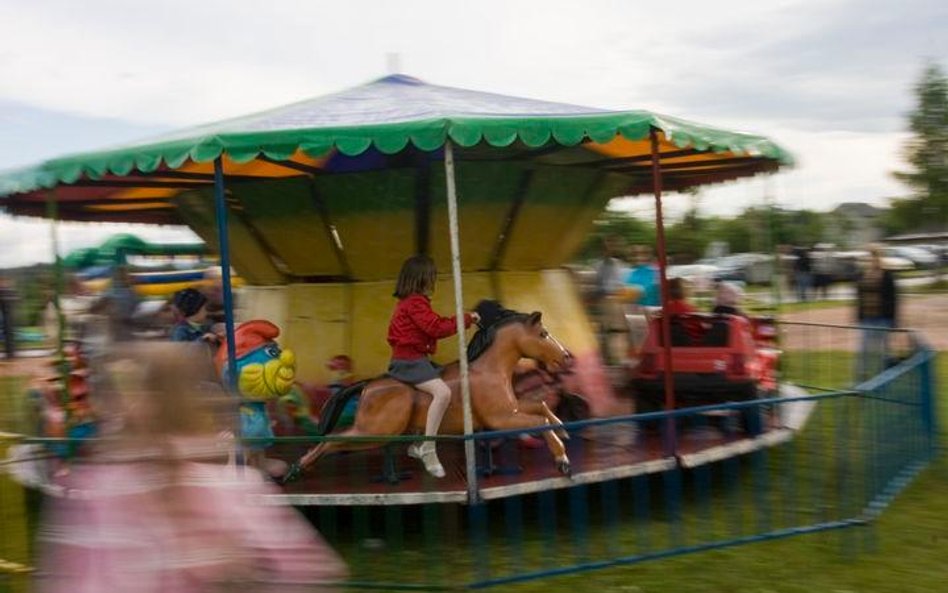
x=537 y=343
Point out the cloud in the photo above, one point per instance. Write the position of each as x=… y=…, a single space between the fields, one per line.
x=835 y=65
x=829 y=79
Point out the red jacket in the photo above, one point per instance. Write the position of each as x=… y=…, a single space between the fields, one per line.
x=415 y=328
x=680 y=307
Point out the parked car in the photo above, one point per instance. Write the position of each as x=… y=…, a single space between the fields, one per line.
x=920 y=258
x=715 y=359
x=939 y=251
x=750 y=268
x=854 y=260
x=699 y=276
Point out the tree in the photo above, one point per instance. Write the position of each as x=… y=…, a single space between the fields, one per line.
x=927 y=156
x=630 y=229
x=687 y=239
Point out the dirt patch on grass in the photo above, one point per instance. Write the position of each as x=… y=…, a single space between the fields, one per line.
x=33 y=366
x=927 y=314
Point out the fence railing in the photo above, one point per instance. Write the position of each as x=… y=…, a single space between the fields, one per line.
x=832 y=458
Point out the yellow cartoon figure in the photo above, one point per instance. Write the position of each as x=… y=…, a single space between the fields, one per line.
x=264 y=372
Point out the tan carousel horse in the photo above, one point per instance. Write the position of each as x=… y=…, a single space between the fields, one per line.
x=389 y=407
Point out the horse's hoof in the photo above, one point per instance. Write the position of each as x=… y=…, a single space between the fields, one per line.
x=564 y=468
x=293 y=473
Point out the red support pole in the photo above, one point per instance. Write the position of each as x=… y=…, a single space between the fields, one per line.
x=671 y=440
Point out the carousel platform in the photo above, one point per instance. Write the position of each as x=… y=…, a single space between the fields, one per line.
x=598 y=453
x=610 y=449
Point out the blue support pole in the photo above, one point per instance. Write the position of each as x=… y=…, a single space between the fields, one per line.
x=223 y=242
x=927 y=392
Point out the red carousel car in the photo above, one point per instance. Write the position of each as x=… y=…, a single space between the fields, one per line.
x=715 y=359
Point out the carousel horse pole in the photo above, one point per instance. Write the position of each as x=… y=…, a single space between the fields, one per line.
x=388 y=407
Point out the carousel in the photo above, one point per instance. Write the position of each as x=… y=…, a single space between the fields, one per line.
x=316 y=204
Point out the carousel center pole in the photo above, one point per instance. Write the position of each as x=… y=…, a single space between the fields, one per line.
x=671 y=439
x=469 y=455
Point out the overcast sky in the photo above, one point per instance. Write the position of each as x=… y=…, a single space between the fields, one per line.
x=831 y=80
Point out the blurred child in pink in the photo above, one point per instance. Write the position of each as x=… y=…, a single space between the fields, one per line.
x=156 y=509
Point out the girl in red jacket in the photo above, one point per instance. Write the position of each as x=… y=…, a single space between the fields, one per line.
x=413 y=333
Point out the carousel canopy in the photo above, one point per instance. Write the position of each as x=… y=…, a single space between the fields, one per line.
x=345 y=186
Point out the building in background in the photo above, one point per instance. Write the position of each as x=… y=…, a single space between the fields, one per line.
x=855 y=224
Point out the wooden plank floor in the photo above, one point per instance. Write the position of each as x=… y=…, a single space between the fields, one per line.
x=597 y=453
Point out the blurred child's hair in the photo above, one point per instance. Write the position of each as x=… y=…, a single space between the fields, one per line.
x=168 y=389
x=417 y=276
x=676 y=289
x=729 y=294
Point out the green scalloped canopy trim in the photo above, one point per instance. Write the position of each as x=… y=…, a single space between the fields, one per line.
x=426 y=135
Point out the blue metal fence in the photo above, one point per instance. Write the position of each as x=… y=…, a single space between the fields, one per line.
x=834 y=458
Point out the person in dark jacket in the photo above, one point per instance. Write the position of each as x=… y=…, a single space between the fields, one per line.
x=7 y=299
x=876 y=314
x=802 y=273
x=191 y=305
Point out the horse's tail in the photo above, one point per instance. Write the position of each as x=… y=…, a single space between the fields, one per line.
x=335 y=405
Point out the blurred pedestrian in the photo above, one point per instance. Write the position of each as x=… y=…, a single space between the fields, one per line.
x=7 y=300
x=678 y=298
x=155 y=509
x=644 y=277
x=727 y=299
x=822 y=264
x=876 y=314
x=120 y=303
x=608 y=307
x=802 y=268
x=643 y=292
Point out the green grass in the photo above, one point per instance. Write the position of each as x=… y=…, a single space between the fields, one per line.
x=940 y=287
x=904 y=551
x=806 y=486
x=812 y=305
x=13 y=525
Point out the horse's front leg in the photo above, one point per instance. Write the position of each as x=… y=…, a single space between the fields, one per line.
x=539 y=407
x=314 y=453
x=520 y=420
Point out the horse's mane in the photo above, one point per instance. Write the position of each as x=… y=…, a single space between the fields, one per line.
x=493 y=317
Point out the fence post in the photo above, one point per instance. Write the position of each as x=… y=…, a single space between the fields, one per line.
x=927 y=391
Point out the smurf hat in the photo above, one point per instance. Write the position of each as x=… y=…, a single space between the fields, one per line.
x=247 y=337
x=189 y=301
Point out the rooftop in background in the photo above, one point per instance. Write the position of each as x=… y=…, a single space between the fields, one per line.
x=918 y=237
